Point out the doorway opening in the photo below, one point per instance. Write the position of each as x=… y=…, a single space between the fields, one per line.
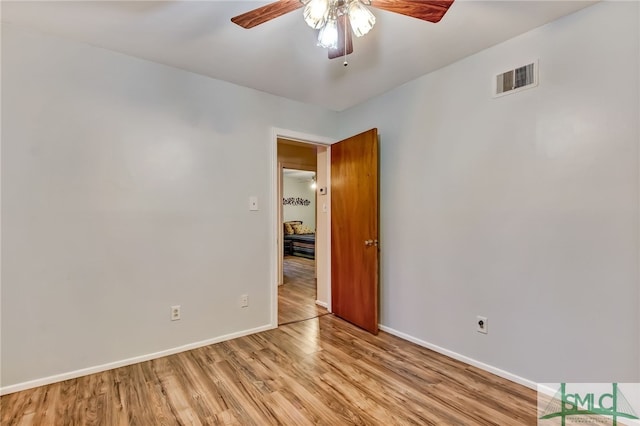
x=297 y=295
x=299 y=225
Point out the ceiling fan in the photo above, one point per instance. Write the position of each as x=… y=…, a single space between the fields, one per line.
x=338 y=19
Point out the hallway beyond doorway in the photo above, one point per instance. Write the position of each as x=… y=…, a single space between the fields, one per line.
x=297 y=294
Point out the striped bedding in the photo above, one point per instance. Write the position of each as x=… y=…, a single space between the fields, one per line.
x=303 y=245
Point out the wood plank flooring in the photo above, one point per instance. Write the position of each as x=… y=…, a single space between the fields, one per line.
x=297 y=294
x=320 y=371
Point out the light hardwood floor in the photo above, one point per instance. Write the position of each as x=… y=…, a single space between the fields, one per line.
x=297 y=294
x=317 y=371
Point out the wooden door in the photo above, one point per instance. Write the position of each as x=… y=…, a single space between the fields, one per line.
x=354 y=230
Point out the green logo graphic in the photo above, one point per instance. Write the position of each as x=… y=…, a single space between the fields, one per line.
x=583 y=405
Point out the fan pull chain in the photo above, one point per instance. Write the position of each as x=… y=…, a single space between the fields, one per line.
x=346 y=25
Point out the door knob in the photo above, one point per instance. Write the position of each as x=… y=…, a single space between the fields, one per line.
x=370 y=243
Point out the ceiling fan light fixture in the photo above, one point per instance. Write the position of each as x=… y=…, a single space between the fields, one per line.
x=361 y=18
x=316 y=13
x=330 y=17
x=328 y=36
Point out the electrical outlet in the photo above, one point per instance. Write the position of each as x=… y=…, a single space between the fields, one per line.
x=483 y=324
x=175 y=313
x=244 y=300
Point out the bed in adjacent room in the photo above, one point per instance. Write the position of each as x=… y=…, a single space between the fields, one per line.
x=299 y=240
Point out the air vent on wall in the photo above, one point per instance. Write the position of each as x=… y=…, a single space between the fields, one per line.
x=515 y=80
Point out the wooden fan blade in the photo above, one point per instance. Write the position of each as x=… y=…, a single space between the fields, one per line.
x=427 y=10
x=343 y=24
x=266 y=13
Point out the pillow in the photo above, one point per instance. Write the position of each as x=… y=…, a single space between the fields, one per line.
x=302 y=229
x=288 y=226
x=288 y=229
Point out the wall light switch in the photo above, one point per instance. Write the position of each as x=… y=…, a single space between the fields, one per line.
x=253 y=203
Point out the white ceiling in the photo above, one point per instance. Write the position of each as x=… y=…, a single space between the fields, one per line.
x=281 y=56
x=301 y=175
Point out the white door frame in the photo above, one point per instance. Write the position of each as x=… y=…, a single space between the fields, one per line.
x=276 y=246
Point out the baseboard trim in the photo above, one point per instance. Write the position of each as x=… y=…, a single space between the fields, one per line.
x=129 y=361
x=486 y=367
x=323 y=304
x=134 y=360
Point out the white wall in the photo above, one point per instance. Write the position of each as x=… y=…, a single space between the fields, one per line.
x=523 y=208
x=292 y=187
x=125 y=191
x=323 y=216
